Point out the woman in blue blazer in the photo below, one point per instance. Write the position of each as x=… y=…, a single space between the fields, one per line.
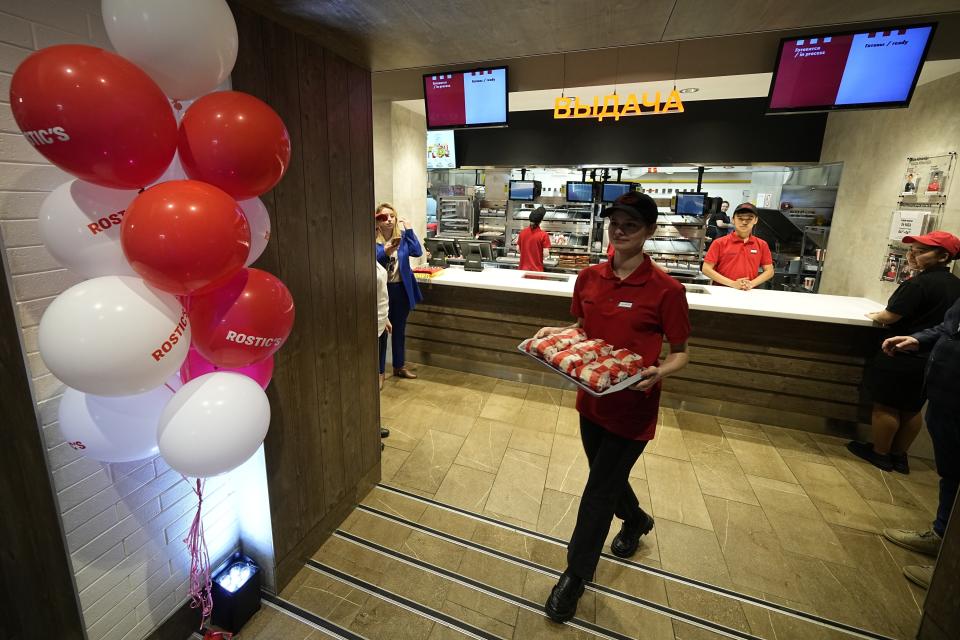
x=396 y=244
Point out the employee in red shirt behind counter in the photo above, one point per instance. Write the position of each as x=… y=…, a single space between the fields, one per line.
x=533 y=243
x=735 y=259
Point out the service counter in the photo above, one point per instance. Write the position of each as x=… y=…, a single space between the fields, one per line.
x=794 y=359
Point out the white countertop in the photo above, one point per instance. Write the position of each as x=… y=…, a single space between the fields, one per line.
x=759 y=302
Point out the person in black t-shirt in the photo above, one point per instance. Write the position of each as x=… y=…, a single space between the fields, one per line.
x=896 y=382
x=718 y=224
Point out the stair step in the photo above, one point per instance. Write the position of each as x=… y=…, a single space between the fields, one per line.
x=358 y=606
x=503 y=604
x=688 y=601
x=278 y=618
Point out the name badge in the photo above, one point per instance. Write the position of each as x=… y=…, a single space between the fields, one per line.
x=753 y=250
x=625 y=305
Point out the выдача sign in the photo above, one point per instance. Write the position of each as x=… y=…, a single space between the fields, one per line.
x=611 y=107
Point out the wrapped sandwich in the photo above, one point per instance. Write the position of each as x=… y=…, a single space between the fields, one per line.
x=592 y=363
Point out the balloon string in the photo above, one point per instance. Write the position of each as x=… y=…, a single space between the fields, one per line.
x=187 y=300
x=201 y=584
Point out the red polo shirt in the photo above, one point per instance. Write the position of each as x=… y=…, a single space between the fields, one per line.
x=634 y=313
x=735 y=259
x=531 y=242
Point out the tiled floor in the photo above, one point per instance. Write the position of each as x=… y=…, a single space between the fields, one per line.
x=779 y=514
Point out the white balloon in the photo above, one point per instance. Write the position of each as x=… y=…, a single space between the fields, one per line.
x=114 y=336
x=213 y=424
x=188 y=47
x=259 y=220
x=114 y=429
x=80 y=227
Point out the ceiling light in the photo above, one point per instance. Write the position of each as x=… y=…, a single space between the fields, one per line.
x=689 y=90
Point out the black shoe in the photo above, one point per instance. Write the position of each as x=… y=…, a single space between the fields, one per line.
x=562 y=603
x=626 y=542
x=900 y=463
x=865 y=450
x=384 y=432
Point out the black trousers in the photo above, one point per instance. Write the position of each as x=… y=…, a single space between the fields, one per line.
x=944 y=427
x=607 y=493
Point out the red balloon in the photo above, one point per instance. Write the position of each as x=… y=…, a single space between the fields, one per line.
x=184 y=236
x=196 y=365
x=95 y=115
x=244 y=321
x=234 y=141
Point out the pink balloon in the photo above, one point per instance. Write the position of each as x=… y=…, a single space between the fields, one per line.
x=196 y=365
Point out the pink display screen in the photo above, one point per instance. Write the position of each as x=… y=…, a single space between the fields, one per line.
x=476 y=98
x=852 y=70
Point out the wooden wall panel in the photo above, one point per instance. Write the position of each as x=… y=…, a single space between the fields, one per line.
x=323 y=448
x=338 y=133
x=805 y=368
x=313 y=112
x=361 y=165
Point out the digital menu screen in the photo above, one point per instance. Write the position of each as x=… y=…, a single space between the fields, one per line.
x=579 y=191
x=476 y=98
x=613 y=190
x=691 y=204
x=852 y=70
x=522 y=190
x=441 y=150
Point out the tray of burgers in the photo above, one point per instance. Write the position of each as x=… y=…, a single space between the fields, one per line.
x=595 y=366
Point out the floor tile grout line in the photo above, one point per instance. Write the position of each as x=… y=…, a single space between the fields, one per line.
x=773 y=606
x=402 y=602
x=595 y=588
x=703 y=495
x=466 y=581
x=300 y=614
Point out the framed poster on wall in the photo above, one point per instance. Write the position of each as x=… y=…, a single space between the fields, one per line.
x=926 y=179
x=891 y=267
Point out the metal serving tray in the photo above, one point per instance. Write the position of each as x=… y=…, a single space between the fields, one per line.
x=620 y=386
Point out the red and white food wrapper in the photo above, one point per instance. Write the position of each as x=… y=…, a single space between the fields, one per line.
x=574 y=335
x=567 y=360
x=596 y=366
x=628 y=360
x=618 y=373
x=562 y=341
x=596 y=375
x=591 y=350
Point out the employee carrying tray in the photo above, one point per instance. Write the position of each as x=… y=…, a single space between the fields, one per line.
x=610 y=370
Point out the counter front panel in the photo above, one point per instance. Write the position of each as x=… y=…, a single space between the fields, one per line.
x=793 y=372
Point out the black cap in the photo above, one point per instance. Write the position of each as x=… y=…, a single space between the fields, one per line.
x=637 y=205
x=745 y=207
x=536 y=216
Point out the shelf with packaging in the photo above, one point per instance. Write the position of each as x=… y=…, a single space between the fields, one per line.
x=672 y=247
x=676 y=220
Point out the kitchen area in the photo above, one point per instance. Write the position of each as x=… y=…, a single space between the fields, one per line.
x=795 y=204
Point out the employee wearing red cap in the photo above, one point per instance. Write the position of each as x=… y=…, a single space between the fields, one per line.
x=630 y=304
x=735 y=259
x=533 y=243
x=895 y=382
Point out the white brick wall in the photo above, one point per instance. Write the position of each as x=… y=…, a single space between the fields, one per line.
x=123 y=523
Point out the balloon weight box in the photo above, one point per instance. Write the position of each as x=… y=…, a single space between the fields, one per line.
x=236 y=594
